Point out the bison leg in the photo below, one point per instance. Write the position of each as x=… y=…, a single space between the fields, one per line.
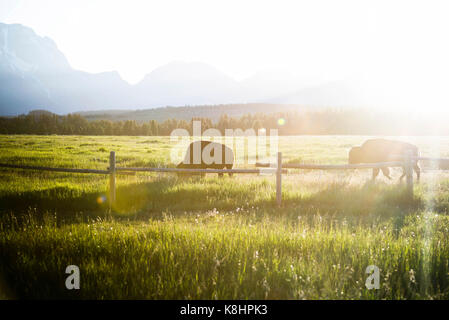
x=375 y=173
x=386 y=172
x=418 y=171
x=229 y=167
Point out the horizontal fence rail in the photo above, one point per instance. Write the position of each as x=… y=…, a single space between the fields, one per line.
x=432 y=159
x=436 y=163
x=184 y=170
x=180 y=170
x=4 y=165
x=261 y=168
x=335 y=166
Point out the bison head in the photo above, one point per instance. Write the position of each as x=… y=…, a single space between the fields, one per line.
x=355 y=155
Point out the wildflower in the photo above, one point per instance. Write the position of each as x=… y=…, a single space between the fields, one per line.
x=412 y=276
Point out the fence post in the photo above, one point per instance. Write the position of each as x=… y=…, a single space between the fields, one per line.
x=409 y=173
x=111 y=178
x=279 y=180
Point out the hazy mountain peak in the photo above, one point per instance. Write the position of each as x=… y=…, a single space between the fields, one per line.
x=36 y=75
x=183 y=83
x=178 y=71
x=23 y=50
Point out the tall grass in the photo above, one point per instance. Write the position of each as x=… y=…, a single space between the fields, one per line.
x=245 y=255
x=170 y=238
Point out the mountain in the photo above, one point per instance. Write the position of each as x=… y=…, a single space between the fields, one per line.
x=181 y=83
x=337 y=93
x=20 y=88
x=35 y=74
x=23 y=51
x=270 y=83
x=356 y=91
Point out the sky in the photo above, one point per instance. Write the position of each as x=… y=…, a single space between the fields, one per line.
x=399 y=42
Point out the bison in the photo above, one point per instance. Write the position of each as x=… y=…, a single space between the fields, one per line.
x=208 y=155
x=382 y=150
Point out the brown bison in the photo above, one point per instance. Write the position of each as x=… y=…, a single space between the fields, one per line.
x=208 y=155
x=382 y=150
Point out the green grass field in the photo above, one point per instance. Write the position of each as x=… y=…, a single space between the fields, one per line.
x=217 y=238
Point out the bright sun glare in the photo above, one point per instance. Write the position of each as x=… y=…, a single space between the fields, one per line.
x=397 y=47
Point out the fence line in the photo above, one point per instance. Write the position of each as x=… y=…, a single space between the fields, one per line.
x=257 y=171
x=336 y=166
x=188 y=170
x=279 y=168
x=4 y=165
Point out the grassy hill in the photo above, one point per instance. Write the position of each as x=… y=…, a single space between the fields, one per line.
x=188 y=112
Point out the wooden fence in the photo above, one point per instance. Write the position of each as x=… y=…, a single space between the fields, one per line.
x=279 y=168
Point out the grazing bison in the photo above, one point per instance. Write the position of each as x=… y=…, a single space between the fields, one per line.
x=208 y=155
x=382 y=150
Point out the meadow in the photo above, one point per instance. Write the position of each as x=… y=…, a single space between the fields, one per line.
x=217 y=238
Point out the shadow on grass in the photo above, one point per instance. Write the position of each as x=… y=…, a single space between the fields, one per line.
x=156 y=197
x=61 y=199
x=370 y=200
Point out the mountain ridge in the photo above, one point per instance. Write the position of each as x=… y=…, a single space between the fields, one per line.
x=214 y=112
x=36 y=75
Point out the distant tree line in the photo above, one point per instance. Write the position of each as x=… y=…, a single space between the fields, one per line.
x=329 y=121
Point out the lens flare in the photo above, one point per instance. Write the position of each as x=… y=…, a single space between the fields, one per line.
x=101 y=199
x=281 y=121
